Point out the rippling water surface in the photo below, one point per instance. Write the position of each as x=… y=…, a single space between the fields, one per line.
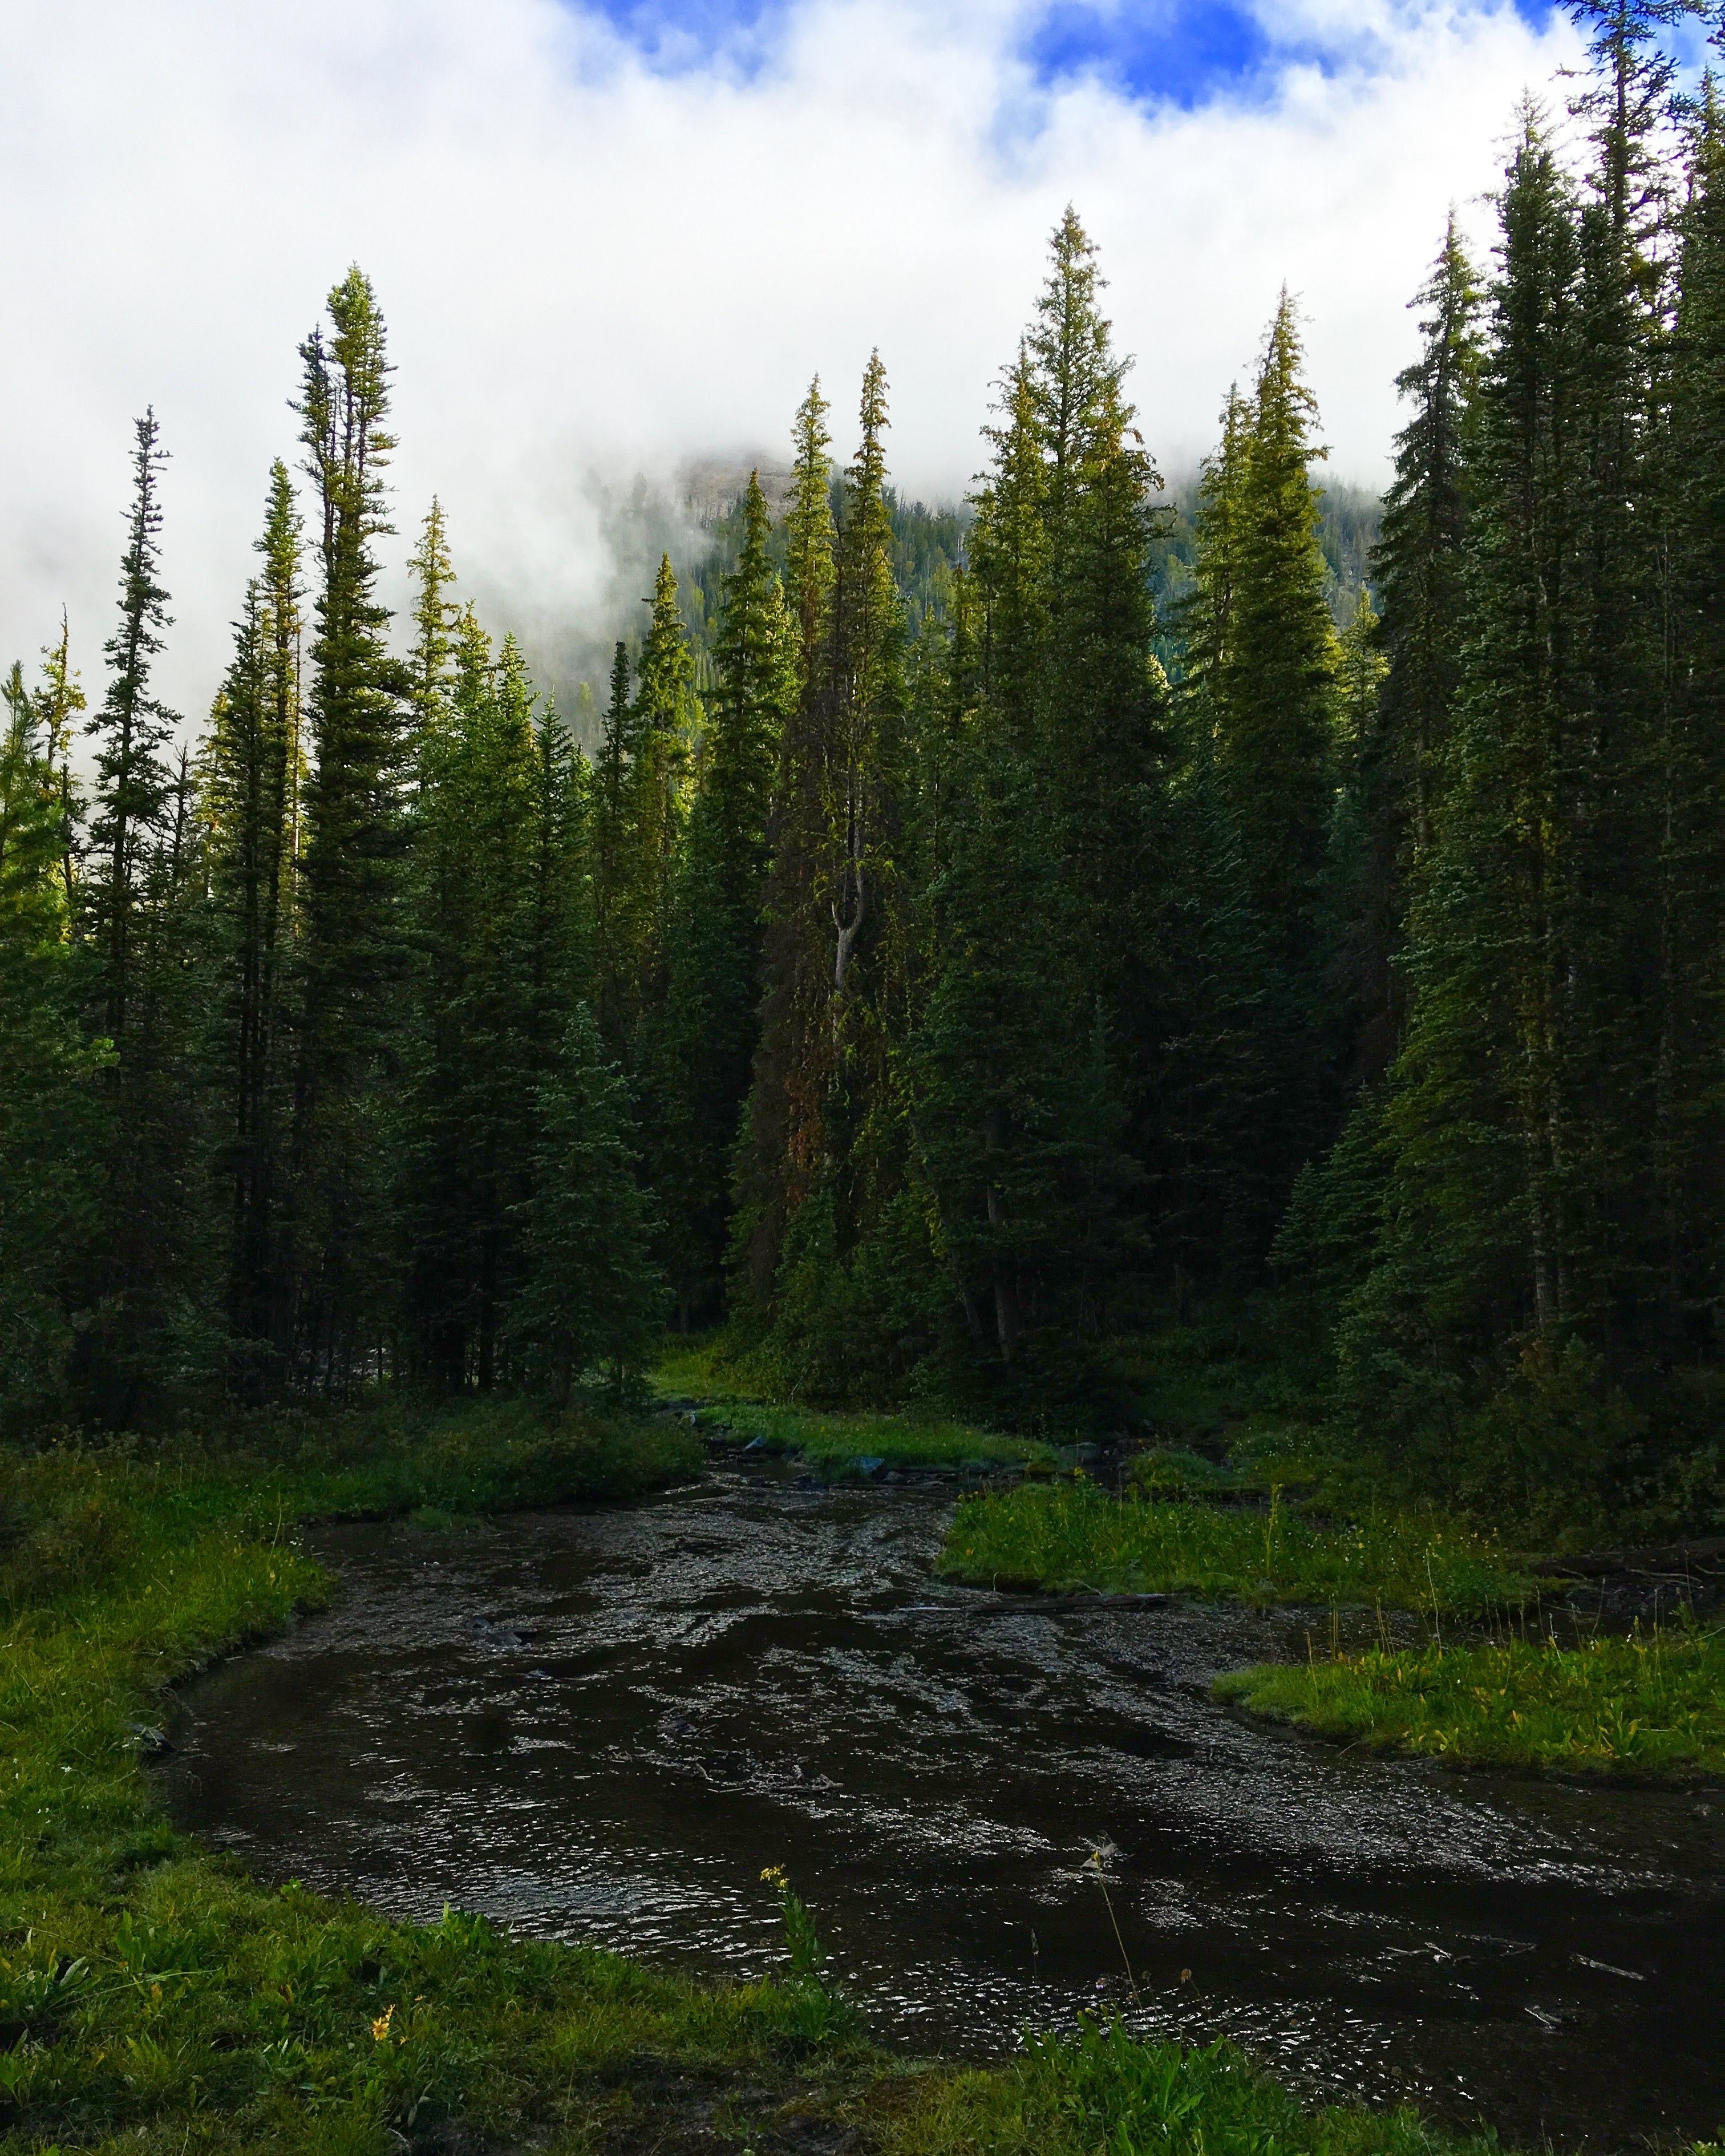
x=601 y=1726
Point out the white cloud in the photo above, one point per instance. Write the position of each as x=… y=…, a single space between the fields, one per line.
x=589 y=266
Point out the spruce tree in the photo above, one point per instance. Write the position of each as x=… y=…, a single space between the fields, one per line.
x=1483 y=1203
x=145 y=1329
x=353 y=875
x=50 y=1155
x=664 y=731
x=250 y=807
x=782 y=1137
x=478 y=1058
x=1420 y=566
x=131 y=730
x=1688 y=768
x=429 y=663
x=1263 y=732
x=715 y=957
x=592 y=1297
x=617 y=898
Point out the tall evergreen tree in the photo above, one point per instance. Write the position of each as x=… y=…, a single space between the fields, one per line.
x=1688 y=768
x=1483 y=1211
x=666 y=727
x=353 y=880
x=480 y=1058
x=143 y=1326
x=1266 y=655
x=132 y=729
x=250 y=806
x=782 y=1140
x=715 y=954
x=430 y=664
x=592 y=1297
x=50 y=1133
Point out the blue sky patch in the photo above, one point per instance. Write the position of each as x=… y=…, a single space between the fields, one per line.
x=1178 y=52
x=680 y=37
x=1184 y=53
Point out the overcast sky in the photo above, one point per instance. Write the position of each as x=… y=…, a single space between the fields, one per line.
x=606 y=239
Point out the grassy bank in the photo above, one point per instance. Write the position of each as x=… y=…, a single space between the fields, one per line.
x=156 y=2000
x=1653 y=1704
x=1075 y=1536
x=837 y=1444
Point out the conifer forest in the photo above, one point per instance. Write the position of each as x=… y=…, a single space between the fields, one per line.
x=996 y=934
x=1177 y=1020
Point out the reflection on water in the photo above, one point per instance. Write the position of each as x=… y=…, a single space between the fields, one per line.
x=601 y=1725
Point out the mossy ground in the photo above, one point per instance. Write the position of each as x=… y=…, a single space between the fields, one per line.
x=155 y=2000
x=1072 y=1535
x=1652 y=1704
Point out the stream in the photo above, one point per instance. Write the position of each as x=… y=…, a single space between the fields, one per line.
x=600 y=1725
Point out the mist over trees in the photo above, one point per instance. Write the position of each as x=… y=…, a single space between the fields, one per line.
x=967 y=940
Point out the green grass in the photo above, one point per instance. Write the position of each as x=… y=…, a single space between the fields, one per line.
x=155 y=2000
x=1098 y=2093
x=700 y=1366
x=153 y=1996
x=1653 y=1704
x=833 y=1442
x=1075 y=1536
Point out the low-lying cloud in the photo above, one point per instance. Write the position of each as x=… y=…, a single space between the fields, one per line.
x=595 y=264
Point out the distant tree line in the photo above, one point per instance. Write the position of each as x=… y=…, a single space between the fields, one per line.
x=955 y=963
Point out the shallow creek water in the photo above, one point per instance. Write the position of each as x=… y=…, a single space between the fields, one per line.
x=600 y=1725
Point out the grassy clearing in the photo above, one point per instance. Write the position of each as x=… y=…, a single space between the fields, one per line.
x=1653 y=1704
x=1074 y=1536
x=834 y=1442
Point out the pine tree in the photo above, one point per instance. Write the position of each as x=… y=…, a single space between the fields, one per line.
x=1263 y=684
x=1275 y=735
x=1419 y=566
x=429 y=663
x=143 y=1329
x=479 y=1059
x=593 y=1298
x=1101 y=696
x=1052 y=765
x=250 y=809
x=1688 y=768
x=49 y=1128
x=825 y=1122
x=782 y=1140
x=666 y=728
x=132 y=784
x=618 y=926
x=715 y=957
x=353 y=880
x=809 y=535
x=1481 y=1241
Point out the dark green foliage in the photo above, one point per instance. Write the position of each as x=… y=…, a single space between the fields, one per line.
x=711 y=1025
x=1420 y=565
x=144 y=1324
x=353 y=880
x=592 y=1297
x=50 y=1103
x=251 y=809
x=493 y=897
x=967 y=1001
x=1039 y=770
